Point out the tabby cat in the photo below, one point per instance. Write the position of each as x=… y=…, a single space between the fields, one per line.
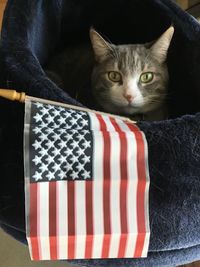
x=127 y=79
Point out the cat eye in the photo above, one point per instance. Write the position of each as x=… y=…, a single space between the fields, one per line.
x=114 y=76
x=146 y=77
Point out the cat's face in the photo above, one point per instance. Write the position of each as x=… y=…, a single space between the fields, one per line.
x=130 y=79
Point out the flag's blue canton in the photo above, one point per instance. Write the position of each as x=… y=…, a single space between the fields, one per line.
x=60 y=144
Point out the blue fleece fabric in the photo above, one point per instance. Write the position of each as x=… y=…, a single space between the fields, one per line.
x=32 y=32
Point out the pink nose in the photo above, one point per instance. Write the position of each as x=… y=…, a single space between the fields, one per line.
x=128 y=97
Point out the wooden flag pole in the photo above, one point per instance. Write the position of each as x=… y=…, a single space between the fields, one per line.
x=12 y=95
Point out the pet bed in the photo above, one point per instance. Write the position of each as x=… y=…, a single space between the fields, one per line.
x=32 y=31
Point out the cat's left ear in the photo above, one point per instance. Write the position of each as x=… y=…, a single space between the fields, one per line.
x=160 y=48
x=101 y=48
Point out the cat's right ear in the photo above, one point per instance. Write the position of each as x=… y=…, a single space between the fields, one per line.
x=101 y=48
x=161 y=46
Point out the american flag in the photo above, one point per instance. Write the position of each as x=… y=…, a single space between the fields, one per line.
x=86 y=184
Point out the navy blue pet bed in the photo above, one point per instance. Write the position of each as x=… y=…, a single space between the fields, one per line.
x=32 y=32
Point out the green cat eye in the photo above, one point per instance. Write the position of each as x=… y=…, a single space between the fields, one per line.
x=114 y=76
x=146 y=77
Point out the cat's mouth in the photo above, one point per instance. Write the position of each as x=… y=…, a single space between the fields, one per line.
x=130 y=108
x=125 y=108
x=126 y=104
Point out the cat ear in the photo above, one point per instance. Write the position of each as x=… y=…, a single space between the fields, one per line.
x=160 y=48
x=100 y=46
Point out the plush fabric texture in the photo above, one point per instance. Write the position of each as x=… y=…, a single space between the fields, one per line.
x=32 y=31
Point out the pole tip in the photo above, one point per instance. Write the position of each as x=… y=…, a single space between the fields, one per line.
x=12 y=95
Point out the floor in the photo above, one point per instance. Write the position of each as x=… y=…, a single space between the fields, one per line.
x=14 y=254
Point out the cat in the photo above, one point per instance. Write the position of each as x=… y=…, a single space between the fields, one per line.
x=128 y=79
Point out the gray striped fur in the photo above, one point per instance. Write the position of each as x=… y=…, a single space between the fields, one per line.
x=130 y=61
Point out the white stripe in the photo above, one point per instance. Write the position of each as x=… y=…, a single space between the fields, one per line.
x=131 y=189
x=114 y=189
x=132 y=192
x=94 y=122
x=80 y=215
x=109 y=125
x=62 y=219
x=30 y=247
x=123 y=126
x=43 y=222
x=97 y=187
x=146 y=245
x=146 y=201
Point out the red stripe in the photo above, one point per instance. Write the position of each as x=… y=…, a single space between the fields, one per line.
x=106 y=187
x=52 y=221
x=89 y=220
x=140 y=190
x=33 y=221
x=123 y=188
x=71 y=219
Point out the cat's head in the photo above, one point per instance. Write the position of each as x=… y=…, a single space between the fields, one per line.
x=130 y=78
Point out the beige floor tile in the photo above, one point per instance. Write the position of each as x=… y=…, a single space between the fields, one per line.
x=14 y=254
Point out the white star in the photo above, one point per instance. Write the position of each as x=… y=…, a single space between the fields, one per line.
x=80 y=167
x=62 y=120
x=62 y=144
x=37 y=176
x=56 y=152
x=49 y=106
x=74 y=144
x=38 y=117
x=50 y=159
x=62 y=174
x=84 y=122
x=56 y=167
x=74 y=175
x=86 y=174
x=36 y=145
x=62 y=131
x=78 y=116
x=43 y=152
x=56 y=136
x=85 y=132
x=42 y=137
x=61 y=108
x=66 y=114
x=49 y=130
x=73 y=158
x=70 y=166
x=42 y=124
x=80 y=152
x=38 y=105
x=68 y=152
x=37 y=130
x=50 y=119
x=85 y=159
x=73 y=121
x=86 y=144
x=73 y=131
x=37 y=160
x=80 y=137
x=79 y=127
x=50 y=176
x=43 y=167
x=67 y=135
x=56 y=112
x=44 y=111
x=62 y=159
x=49 y=144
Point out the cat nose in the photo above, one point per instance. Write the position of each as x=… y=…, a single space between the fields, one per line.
x=128 y=97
